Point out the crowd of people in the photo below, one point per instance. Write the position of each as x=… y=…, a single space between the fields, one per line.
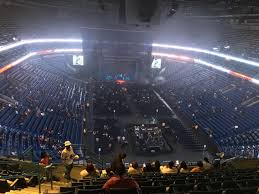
x=120 y=176
x=105 y=134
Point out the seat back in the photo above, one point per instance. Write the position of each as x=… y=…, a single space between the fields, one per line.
x=4 y=186
x=88 y=187
x=204 y=192
x=76 y=184
x=123 y=191
x=153 y=189
x=68 y=189
x=91 y=191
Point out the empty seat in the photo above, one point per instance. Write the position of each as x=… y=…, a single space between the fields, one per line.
x=153 y=189
x=201 y=187
x=204 y=192
x=241 y=191
x=229 y=184
x=89 y=187
x=145 y=183
x=181 y=187
x=4 y=186
x=124 y=191
x=214 y=186
x=99 y=182
x=76 y=184
x=91 y=191
x=69 y=189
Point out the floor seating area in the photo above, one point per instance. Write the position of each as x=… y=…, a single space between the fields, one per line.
x=146 y=102
x=109 y=100
x=105 y=134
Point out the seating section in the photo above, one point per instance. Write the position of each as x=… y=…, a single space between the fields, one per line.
x=245 y=143
x=232 y=37
x=236 y=181
x=8 y=31
x=45 y=109
x=221 y=105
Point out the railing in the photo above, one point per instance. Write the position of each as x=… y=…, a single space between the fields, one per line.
x=86 y=154
x=27 y=152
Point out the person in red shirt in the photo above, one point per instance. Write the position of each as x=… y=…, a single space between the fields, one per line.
x=120 y=180
x=44 y=161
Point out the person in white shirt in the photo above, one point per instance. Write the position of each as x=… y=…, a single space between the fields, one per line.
x=68 y=156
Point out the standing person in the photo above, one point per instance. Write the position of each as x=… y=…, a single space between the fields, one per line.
x=68 y=157
x=44 y=162
x=119 y=159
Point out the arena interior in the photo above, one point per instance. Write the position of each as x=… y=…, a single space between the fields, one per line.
x=129 y=96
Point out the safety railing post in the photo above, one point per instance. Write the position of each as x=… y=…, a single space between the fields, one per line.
x=39 y=179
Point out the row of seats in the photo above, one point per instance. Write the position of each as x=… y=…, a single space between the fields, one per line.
x=244 y=181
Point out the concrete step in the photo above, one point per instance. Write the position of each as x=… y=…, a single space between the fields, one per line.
x=44 y=187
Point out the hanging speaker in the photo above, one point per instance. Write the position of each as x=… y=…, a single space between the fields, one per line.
x=142 y=12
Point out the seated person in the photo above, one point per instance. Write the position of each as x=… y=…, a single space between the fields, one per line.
x=106 y=173
x=89 y=171
x=169 y=169
x=147 y=168
x=199 y=167
x=133 y=169
x=156 y=166
x=183 y=168
x=120 y=180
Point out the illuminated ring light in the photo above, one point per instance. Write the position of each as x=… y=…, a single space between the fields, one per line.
x=32 y=41
x=44 y=52
x=67 y=40
x=227 y=57
x=168 y=55
x=205 y=63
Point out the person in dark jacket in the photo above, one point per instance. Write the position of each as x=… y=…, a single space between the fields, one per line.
x=119 y=159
